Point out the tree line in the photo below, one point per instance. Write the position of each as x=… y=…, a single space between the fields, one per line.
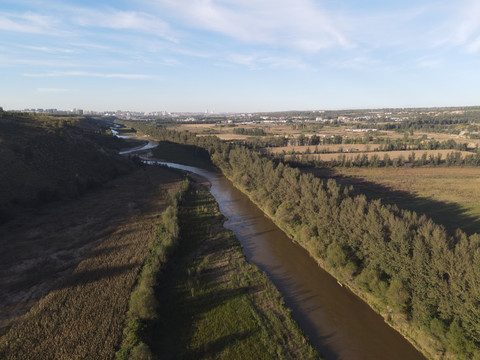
x=453 y=158
x=409 y=265
x=250 y=132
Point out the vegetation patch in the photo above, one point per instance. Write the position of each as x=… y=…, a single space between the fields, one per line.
x=51 y=158
x=450 y=196
x=143 y=306
x=213 y=304
x=82 y=257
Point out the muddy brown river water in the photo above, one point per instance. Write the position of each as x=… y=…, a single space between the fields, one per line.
x=337 y=322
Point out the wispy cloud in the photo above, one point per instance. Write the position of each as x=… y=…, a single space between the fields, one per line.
x=51 y=90
x=468 y=30
x=299 y=24
x=61 y=20
x=461 y=27
x=429 y=63
x=122 y=20
x=89 y=74
x=30 y=22
x=47 y=49
x=258 y=62
x=357 y=62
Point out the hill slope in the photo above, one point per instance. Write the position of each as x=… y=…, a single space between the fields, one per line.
x=46 y=158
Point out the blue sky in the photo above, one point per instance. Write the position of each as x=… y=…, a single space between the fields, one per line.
x=238 y=55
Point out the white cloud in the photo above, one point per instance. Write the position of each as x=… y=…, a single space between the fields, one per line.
x=89 y=74
x=246 y=60
x=122 y=20
x=299 y=24
x=474 y=46
x=29 y=22
x=64 y=20
x=469 y=25
x=48 y=49
x=51 y=90
x=357 y=62
x=258 y=62
x=462 y=27
x=429 y=63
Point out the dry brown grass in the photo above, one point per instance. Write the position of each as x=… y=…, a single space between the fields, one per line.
x=83 y=316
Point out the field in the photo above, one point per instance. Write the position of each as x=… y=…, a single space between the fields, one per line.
x=71 y=268
x=451 y=196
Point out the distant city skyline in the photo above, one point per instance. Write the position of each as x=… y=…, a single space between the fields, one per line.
x=238 y=56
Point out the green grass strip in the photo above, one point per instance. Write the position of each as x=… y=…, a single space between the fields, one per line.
x=143 y=305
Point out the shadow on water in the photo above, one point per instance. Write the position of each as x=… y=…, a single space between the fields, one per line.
x=451 y=215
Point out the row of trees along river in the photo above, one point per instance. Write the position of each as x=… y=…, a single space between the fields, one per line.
x=424 y=280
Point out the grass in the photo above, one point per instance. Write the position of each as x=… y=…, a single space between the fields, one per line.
x=94 y=248
x=450 y=196
x=214 y=304
x=143 y=304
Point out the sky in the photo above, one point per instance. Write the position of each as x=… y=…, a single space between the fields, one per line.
x=238 y=55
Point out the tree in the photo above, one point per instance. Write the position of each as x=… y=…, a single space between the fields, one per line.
x=397 y=295
x=456 y=339
x=336 y=256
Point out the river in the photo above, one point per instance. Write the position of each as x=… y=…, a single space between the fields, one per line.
x=150 y=145
x=337 y=322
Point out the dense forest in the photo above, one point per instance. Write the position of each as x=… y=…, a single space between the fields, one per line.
x=38 y=172
x=405 y=265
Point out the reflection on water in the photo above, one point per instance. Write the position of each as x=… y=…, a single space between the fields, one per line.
x=336 y=321
x=150 y=145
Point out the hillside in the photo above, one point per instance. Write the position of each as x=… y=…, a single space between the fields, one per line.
x=46 y=158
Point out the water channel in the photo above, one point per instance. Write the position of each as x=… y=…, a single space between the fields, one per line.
x=338 y=323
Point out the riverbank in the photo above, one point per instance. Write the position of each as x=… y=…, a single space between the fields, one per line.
x=396 y=321
x=335 y=319
x=213 y=303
